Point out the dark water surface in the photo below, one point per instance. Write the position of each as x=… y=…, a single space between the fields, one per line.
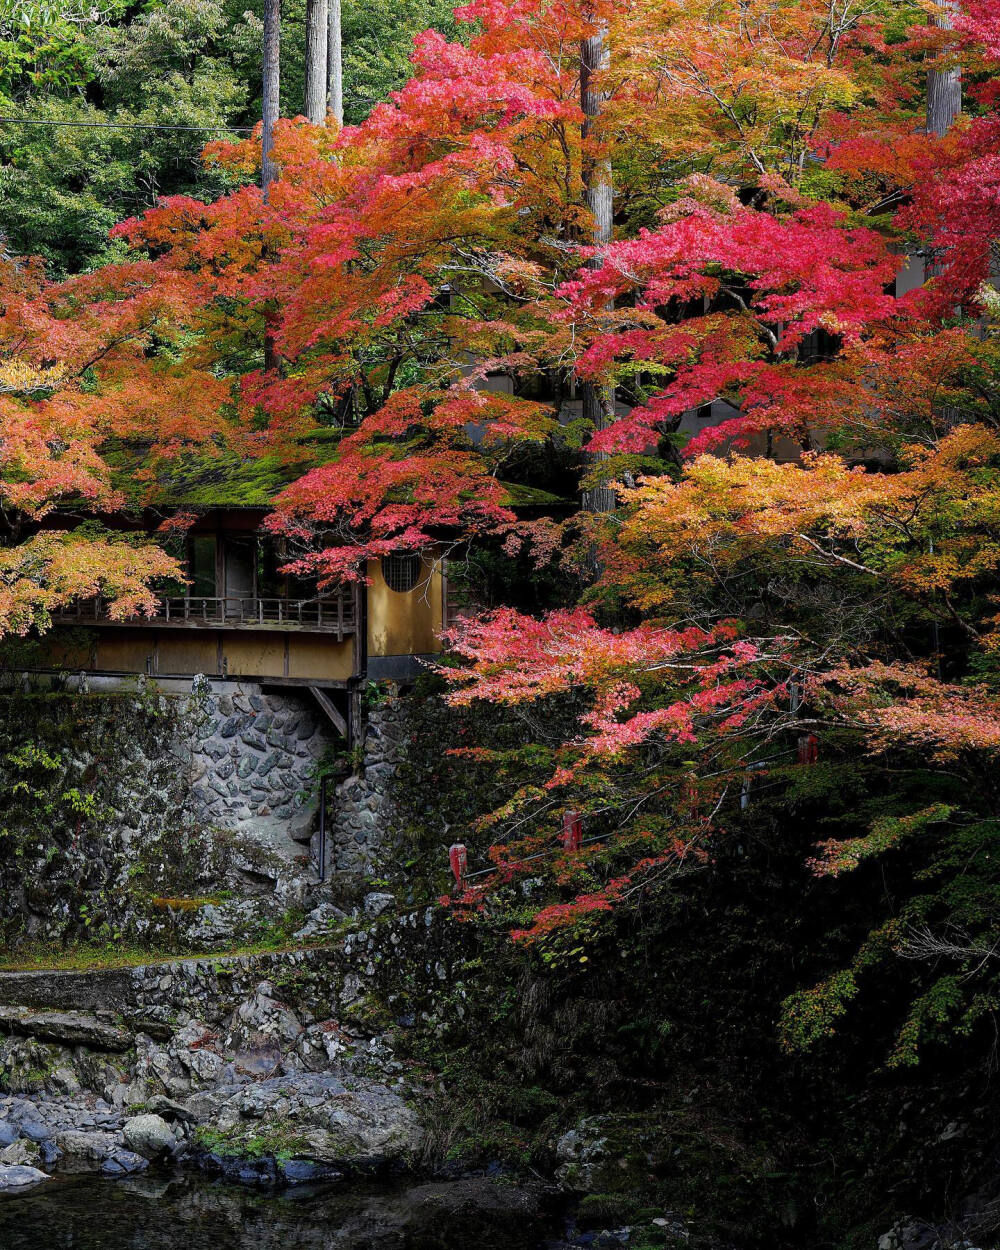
x=85 y=1213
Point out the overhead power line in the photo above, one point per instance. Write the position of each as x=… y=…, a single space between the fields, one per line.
x=45 y=121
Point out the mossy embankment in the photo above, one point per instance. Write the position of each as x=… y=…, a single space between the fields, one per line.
x=655 y=1036
x=660 y=1028
x=94 y=824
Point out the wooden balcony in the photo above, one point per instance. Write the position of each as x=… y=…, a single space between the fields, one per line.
x=327 y=614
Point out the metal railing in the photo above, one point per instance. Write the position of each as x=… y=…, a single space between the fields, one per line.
x=333 y=614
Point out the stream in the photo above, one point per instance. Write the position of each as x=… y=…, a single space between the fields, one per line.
x=181 y=1213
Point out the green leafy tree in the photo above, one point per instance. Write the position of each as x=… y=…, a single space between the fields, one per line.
x=183 y=63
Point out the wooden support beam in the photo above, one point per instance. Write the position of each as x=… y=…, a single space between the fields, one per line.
x=331 y=710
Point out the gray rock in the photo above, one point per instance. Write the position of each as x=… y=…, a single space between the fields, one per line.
x=261 y=1062
x=169 y=1110
x=16 y=1176
x=581 y=1153
x=218 y=923
x=84 y=1151
x=69 y=1028
x=268 y=764
x=302 y=828
x=305 y=1171
x=319 y=921
x=23 y=1152
x=124 y=1163
x=35 y=1131
x=263 y=1019
x=361 y=1124
x=375 y=903
x=149 y=1135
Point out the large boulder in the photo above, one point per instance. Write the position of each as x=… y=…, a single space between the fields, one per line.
x=612 y=1153
x=85 y=1151
x=17 y=1176
x=581 y=1154
x=150 y=1136
x=172 y=1112
x=354 y=1123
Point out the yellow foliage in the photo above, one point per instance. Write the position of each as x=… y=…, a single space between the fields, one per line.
x=18 y=377
x=930 y=526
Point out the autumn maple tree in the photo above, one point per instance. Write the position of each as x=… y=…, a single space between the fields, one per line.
x=78 y=372
x=859 y=556
x=803 y=550
x=891 y=529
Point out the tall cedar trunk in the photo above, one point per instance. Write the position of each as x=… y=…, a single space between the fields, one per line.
x=944 y=86
x=944 y=104
x=317 y=20
x=598 y=401
x=335 y=63
x=272 y=82
x=270 y=110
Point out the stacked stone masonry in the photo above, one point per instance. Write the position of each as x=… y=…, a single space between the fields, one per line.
x=255 y=757
x=207 y=792
x=364 y=814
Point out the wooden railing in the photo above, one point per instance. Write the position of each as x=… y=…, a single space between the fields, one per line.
x=327 y=614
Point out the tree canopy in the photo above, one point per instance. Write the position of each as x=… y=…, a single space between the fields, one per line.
x=806 y=581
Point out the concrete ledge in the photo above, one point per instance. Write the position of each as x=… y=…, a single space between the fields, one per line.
x=146 y=995
x=84 y=991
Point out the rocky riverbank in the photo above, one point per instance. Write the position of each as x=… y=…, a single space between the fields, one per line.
x=275 y=1068
x=281 y=1130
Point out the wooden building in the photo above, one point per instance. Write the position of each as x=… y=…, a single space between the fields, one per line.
x=240 y=618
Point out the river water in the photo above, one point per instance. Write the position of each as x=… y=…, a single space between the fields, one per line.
x=85 y=1213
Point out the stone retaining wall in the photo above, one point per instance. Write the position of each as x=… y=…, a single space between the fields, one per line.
x=121 y=800
x=410 y=955
x=363 y=813
x=254 y=757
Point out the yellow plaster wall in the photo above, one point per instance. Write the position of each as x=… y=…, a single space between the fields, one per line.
x=187 y=653
x=321 y=659
x=254 y=654
x=406 y=624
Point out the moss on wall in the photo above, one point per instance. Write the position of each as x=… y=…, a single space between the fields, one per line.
x=94 y=824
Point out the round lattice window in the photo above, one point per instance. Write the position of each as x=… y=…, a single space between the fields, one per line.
x=401 y=573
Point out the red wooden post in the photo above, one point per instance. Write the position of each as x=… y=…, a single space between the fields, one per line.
x=572 y=831
x=808 y=748
x=458 y=857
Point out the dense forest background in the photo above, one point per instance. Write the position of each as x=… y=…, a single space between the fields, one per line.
x=187 y=63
